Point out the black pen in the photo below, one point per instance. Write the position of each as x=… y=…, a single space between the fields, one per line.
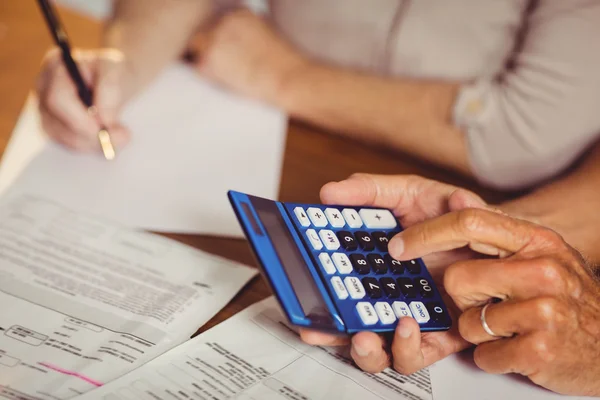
x=85 y=94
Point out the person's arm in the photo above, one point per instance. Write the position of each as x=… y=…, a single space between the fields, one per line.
x=153 y=33
x=529 y=124
x=569 y=206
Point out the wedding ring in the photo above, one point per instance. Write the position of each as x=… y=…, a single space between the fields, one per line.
x=484 y=324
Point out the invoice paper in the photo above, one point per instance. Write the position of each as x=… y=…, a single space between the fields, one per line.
x=191 y=143
x=83 y=301
x=255 y=355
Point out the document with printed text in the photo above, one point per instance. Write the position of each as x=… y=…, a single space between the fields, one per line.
x=256 y=355
x=84 y=301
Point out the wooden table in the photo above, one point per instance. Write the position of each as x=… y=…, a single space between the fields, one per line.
x=312 y=157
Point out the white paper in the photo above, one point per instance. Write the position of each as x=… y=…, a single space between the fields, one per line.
x=83 y=301
x=255 y=355
x=191 y=143
x=458 y=378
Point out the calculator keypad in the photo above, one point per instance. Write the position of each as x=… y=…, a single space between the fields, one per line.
x=351 y=248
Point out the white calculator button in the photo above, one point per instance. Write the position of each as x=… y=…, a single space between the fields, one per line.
x=378 y=219
x=329 y=239
x=385 y=312
x=301 y=216
x=367 y=313
x=342 y=263
x=317 y=217
x=401 y=309
x=340 y=289
x=355 y=287
x=314 y=239
x=352 y=218
x=419 y=312
x=327 y=263
x=335 y=217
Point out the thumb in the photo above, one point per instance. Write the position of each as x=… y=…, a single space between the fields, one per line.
x=109 y=97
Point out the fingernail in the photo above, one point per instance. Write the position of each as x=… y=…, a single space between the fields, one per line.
x=360 y=351
x=404 y=331
x=396 y=246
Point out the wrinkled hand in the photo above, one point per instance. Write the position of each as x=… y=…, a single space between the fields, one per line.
x=547 y=324
x=246 y=55
x=64 y=117
x=412 y=199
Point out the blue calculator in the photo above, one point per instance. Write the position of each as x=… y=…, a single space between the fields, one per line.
x=329 y=268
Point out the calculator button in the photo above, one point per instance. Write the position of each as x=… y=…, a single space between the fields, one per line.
x=377 y=263
x=317 y=217
x=327 y=263
x=312 y=236
x=413 y=267
x=385 y=312
x=334 y=217
x=367 y=313
x=329 y=239
x=425 y=288
x=372 y=287
x=347 y=240
x=302 y=217
x=342 y=263
x=355 y=288
x=436 y=312
x=339 y=288
x=364 y=240
x=359 y=263
x=390 y=235
x=381 y=240
x=390 y=287
x=395 y=266
x=401 y=309
x=419 y=312
x=378 y=219
x=352 y=218
x=407 y=287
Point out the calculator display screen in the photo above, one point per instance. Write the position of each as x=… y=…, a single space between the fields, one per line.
x=293 y=263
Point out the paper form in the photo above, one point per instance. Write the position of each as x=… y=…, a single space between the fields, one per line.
x=255 y=355
x=83 y=301
x=191 y=143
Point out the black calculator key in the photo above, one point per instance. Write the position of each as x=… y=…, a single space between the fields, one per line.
x=390 y=287
x=407 y=287
x=413 y=267
x=347 y=240
x=365 y=241
x=359 y=263
x=381 y=241
x=425 y=288
x=436 y=312
x=377 y=263
x=372 y=287
x=395 y=266
x=390 y=235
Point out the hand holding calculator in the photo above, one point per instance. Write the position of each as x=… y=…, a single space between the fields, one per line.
x=330 y=269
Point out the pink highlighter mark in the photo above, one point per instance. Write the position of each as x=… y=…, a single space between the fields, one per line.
x=71 y=373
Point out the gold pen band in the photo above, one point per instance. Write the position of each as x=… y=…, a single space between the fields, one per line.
x=106 y=144
x=104 y=138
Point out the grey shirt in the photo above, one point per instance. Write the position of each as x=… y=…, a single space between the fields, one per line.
x=530 y=70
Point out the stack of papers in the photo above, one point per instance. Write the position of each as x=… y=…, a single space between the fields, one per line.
x=84 y=301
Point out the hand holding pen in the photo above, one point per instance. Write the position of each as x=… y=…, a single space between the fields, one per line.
x=79 y=102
